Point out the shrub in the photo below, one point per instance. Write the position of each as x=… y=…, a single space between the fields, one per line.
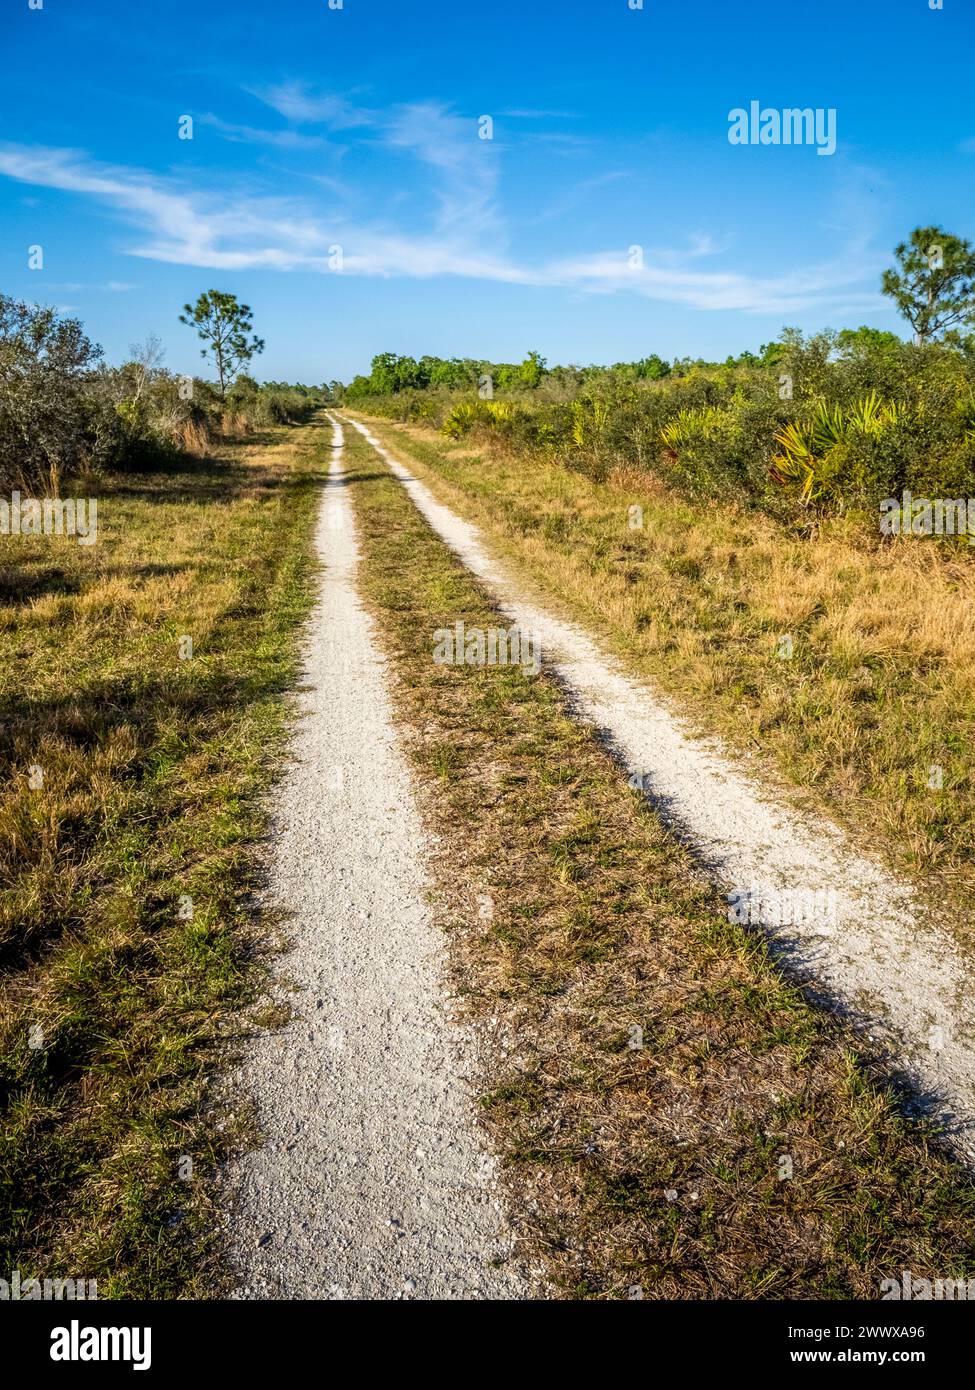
x=832 y=421
x=44 y=359
x=462 y=418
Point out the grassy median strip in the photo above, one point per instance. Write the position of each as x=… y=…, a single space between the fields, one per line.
x=673 y=1117
x=845 y=664
x=132 y=767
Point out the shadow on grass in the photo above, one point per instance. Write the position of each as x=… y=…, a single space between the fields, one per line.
x=147 y=706
x=30 y=575
x=25 y=582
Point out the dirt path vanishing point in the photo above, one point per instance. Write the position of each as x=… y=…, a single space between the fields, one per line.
x=865 y=949
x=372 y=1183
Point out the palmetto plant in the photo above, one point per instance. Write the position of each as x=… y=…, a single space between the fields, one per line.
x=462 y=419
x=813 y=450
x=464 y=416
x=873 y=416
x=588 y=422
x=690 y=425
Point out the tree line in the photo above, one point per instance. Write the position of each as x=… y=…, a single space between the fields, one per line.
x=62 y=408
x=932 y=285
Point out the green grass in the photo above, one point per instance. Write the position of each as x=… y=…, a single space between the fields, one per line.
x=575 y=919
x=126 y=947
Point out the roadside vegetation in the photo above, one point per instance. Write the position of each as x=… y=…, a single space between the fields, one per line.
x=675 y=1121
x=843 y=662
x=816 y=427
x=143 y=685
x=128 y=820
x=826 y=425
x=760 y=538
x=67 y=415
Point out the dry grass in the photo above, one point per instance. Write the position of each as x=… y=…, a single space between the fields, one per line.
x=646 y=1072
x=123 y=934
x=195 y=438
x=879 y=690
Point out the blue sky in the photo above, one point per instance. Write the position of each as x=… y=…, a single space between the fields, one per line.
x=358 y=128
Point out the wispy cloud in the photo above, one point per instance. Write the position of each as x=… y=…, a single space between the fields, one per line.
x=467 y=166
x=577 y=194
x=562 y=142
x=527 y=114
x=297 y=102
x=252 y=135
x=110 y=287
x=464 y=232
x=190 y=229
x=609 y=271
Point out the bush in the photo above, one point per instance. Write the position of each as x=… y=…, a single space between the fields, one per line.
x=903 y=417
x=44 y=360
x=62 y=411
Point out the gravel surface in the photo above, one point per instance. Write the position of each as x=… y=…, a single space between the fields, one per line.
x=372 y=1182
x=859 y=937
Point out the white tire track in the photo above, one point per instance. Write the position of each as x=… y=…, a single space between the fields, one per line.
x=875 y=960
x=372 y=1182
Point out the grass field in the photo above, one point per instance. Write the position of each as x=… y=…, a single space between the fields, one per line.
x=869 y=706
x=128 y=821
x=672 y=1115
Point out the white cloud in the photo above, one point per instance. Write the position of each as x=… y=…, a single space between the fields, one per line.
x=465 y=235
x=190 y=229
x=295 y=102
x=251 y=135
x=611 y=271
x=467 y=165
x=532 y=115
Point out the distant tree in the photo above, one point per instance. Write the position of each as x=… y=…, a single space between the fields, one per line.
x=245 y=388
x=429 y=367
x=411 y=375
x=451 y=373
x=383 y=374
x=532 y=370
x=771 y=354
x=360 y=386
x=145 y=363
x=935 y=286
x=225 y=326
x=246 y=385
x=392 y=373
x=653 y=368
x=867 y=342
x=806 y=360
